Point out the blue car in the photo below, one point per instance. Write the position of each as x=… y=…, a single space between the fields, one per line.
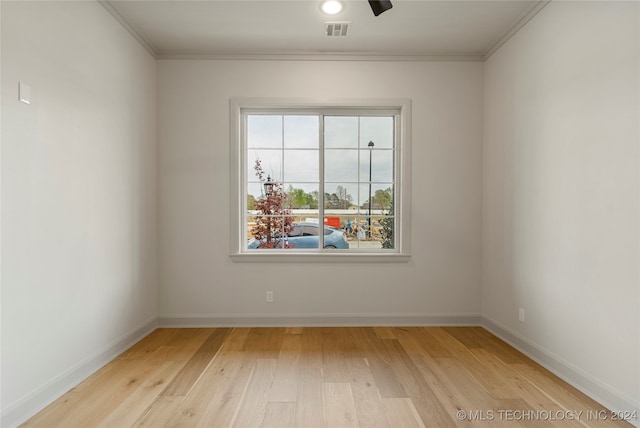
x=305 y=235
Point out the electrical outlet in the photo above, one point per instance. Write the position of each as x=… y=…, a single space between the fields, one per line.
x=521 y=315
x=269 y=296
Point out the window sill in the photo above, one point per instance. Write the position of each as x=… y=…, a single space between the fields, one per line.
x=320 y=258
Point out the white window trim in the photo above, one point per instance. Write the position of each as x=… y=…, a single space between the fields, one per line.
x=402 y=189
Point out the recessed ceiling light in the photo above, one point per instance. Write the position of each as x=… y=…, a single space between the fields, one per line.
x=331 y=7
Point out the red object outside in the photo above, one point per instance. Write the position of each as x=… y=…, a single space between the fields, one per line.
x=333 y=221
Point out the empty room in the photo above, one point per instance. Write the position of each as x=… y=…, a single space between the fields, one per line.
x=166 y=166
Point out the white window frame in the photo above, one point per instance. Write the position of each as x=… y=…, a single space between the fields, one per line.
x=402 y=188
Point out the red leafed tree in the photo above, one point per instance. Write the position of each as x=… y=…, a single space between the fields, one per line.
x=274 y=220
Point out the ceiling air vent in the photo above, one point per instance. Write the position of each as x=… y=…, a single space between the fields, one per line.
x=336 y=29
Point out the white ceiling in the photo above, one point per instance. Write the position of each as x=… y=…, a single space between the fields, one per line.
x=235 y=28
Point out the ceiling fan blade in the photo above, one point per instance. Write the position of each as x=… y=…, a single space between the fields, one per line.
x=379 y=6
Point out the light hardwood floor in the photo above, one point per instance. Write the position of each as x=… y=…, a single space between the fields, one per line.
x=323 y=377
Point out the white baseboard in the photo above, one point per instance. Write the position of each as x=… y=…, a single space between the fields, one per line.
x=599 y=391
x=318 y=320
x=32 y=403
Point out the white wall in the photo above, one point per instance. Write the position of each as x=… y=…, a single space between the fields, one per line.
x=197 y=277
x=78 y=197
x=560 y=196
x=561 y=192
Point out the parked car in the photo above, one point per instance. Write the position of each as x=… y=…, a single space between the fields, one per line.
x=305 y=235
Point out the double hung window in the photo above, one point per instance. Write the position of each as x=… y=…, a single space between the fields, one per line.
x=319 y=179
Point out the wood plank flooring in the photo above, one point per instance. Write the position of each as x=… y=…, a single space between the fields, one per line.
x=323 y=377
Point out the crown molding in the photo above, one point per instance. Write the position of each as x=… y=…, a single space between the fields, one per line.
x=328 y=56
x=127 y=26
x=515 y=28
x=317 y=56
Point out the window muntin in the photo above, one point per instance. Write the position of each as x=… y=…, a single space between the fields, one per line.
x=324 y=153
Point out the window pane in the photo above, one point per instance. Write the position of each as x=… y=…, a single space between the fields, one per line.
x=376 y=129
x=382 y=168
x=338 y=197
x=251 y=223
x=301 y=165
x=340 y=132
x=384 y=228
x=254 y=192
x=301 y=132
x=269 y=231
x=303 y=198
x=308 y=238
x=358 y=236
x=264 y=131
x=271 y=161
x=341 y=165
x=381 y=194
